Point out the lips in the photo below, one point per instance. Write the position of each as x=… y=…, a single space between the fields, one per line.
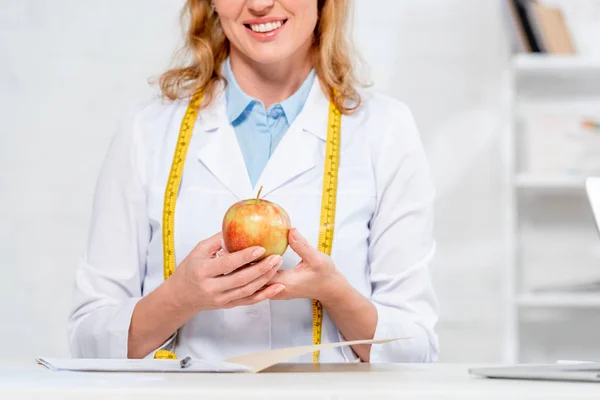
x=265 y=29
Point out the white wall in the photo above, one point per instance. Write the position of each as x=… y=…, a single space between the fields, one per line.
x=68 y=69
x=447 y=61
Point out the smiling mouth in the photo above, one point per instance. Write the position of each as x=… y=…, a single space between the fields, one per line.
x=267 y=27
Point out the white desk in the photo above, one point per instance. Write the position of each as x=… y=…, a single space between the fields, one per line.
x=25 y=381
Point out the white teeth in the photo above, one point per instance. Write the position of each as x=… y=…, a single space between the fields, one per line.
x=268 y=27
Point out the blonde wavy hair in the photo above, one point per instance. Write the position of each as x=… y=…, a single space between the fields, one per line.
x=206 y=49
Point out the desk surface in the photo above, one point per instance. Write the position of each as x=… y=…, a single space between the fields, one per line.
x=357 y=381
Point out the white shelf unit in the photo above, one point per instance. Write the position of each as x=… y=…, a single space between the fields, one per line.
x=542 y=79
x=559 y=300
x=555 y=64
x=549 y=183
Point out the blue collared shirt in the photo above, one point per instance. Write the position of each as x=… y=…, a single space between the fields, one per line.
x=260 y=130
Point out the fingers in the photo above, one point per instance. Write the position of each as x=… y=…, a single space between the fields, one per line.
x=264 y=294
x=251 y=288
x=229 y=262
x=222 y=253
x=301 y=246
x=223 y=250
x=208 y=247
x=281 y=277
x=244 y=276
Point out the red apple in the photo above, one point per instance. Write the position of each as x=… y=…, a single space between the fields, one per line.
x=256 y=222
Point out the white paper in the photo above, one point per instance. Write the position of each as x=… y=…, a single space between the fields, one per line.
x=260 y=361
x=253 y=363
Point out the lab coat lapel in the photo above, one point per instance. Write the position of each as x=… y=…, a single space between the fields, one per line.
x=220 y=151
x=299 y=150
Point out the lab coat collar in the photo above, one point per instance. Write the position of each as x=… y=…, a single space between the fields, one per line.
x=314 y=116
x=297 y=153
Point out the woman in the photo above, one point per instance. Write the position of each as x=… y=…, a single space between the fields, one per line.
x=268 y=71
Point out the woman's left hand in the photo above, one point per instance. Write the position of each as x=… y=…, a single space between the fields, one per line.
x=315 y=277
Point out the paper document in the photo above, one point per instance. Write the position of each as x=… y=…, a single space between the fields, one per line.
x=122 y=365
x=253 y=363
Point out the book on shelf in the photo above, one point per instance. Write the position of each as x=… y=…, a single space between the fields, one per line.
x=539 y=28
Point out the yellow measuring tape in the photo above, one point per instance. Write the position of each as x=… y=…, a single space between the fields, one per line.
x=328 y=205
x=328 y=201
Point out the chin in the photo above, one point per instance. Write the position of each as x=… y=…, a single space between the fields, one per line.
x=269 y=57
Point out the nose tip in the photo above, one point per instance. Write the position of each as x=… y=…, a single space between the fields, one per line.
x=260 y=6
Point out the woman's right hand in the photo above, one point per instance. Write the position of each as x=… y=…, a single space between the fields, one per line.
x=204 y=281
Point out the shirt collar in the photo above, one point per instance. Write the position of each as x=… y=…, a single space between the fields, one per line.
x=238 y=101
x=294 y=104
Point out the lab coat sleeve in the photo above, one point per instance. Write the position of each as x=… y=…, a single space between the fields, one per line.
x=402 y=245
x=109 y=277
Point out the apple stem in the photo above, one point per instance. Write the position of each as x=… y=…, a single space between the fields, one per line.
x=258 y=195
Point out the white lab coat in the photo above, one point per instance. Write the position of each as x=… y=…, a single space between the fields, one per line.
x=383 y=229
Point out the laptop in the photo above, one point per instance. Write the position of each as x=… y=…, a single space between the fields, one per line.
x=575 y=371
x=584 y=371
x=592 y=186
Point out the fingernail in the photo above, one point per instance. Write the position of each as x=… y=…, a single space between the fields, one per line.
x=274 y=261
x=297 y=235
x=279 y=289
x=258 y=252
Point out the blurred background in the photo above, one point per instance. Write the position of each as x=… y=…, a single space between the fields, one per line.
x=506 y=95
